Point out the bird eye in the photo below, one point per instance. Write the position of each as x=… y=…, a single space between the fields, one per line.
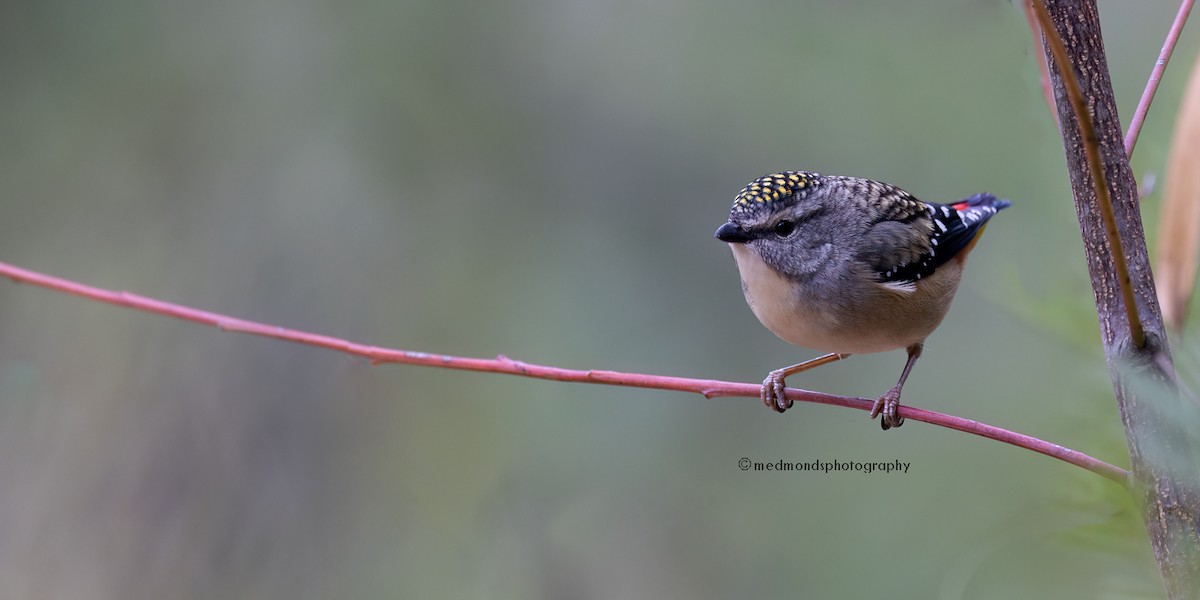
x=784 y=227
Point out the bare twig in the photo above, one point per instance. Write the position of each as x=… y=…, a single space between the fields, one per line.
x=709 y=388
x=1091 y=145
x=1043 y=68
x=1160 y=65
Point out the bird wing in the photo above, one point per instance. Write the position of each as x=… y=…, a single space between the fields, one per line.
x=911 y=239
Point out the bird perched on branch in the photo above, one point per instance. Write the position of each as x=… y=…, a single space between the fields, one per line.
x=849 y=266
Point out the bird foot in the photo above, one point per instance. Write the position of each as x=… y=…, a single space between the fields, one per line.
x=887 y=405
x=773 y=392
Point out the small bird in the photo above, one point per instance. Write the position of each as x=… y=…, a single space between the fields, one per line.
x=849 y=266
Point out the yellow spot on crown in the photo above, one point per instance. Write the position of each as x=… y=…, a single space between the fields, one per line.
x=773 y=188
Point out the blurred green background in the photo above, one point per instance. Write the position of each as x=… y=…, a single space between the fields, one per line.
x=537 y=178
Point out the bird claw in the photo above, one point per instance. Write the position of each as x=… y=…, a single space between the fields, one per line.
x=773 y=392
x=887 y=405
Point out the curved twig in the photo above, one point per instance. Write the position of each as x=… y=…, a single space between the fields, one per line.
x=710 y=388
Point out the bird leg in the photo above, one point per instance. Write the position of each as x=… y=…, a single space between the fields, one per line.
x=890 y=401
x=773 y=395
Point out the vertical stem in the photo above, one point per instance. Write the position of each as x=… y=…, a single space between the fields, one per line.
x=1166 y=477
x=1091 y=148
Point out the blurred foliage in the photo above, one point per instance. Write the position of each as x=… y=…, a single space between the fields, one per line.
x=541 y=179
x=1177 y=251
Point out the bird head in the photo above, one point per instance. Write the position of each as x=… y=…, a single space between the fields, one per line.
x=785 y=220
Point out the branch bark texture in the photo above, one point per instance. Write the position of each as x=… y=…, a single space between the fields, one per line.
x=1164 y=470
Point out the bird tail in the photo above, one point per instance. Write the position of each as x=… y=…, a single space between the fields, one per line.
x=984 y=203
x=975 y=211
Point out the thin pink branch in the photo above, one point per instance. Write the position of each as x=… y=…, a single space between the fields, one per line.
x=709 y=388
x=1164 y=56
x=1043 y=68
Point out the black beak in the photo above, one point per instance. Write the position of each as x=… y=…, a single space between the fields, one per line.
x=732 y=233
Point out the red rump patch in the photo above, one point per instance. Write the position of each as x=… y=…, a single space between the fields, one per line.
x=960 y=206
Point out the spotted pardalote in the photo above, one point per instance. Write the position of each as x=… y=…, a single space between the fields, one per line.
x=849 y=266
